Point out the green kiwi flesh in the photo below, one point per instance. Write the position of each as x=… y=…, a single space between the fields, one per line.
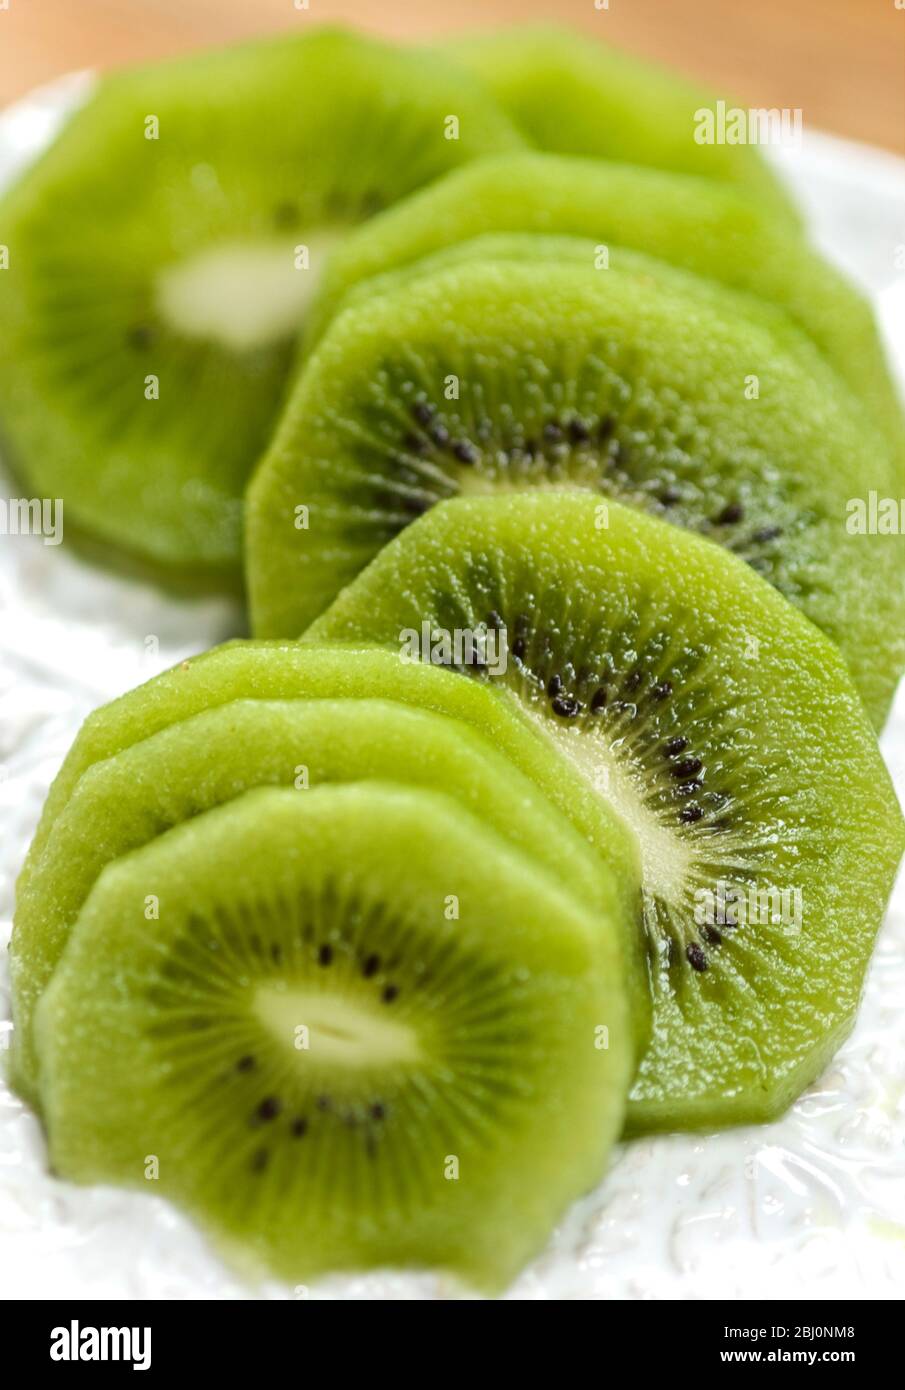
x=574 y=96
x=131 y=798
x=641 y=382
x=725 y=731
x=308 y=1052
x=162 y=254
x=711 y=229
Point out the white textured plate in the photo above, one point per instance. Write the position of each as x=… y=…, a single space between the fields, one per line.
x=813 y=1205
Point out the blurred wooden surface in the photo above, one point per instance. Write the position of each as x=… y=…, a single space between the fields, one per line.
x=841 y=61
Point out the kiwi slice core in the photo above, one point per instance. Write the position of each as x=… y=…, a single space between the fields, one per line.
x=243 y=295
x=330 y=1068
x=348 y=1033
x=721 y=728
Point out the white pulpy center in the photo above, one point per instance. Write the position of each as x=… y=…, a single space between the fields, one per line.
x=329 y=1028
x=243 y=294
x=667 y=858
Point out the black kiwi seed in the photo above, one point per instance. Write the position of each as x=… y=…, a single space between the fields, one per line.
x=767 y=533
x=440 y=435
x=552 y=432
x=465 y=452
x=141 y=336
x=689 y=814
x=632 y=681
x=578 y=431
x=688 y=767
x=662 y=691
x=269 y=1108
x=494 y=620
x=414 y=444
x=276 y=953
x=423 y=412
x=371 y=966
x=377 y=1111
x=670 y=496
x=285 y=214
x=299 y=1127
x=259 y=1160
x=324 y=1103
x=246 y=1063
x=598 y=700
x=606 y=427
x=566 y=706
x=554 y=686
x=389 y=994
x=695 y=956
x=416 y=506
x=519 y=648
x=675 y=746
x=731 y=513
x=325 y=955
x=713 y=935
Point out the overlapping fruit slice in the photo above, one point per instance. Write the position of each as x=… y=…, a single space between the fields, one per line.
x=122 y=802
x=638 y=382
x=724 y=730
x=711 y=229
x=572 y=94
x=272 y=1011
x=161 y=257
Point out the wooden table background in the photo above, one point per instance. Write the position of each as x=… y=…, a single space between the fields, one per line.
x=841 y=61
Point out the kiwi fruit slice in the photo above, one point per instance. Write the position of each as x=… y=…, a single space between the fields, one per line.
x=125 y=801
x=711 y=229
x=327 y=1067
x=572 y=95
x=275 y=671
x=161 y=256
x=279 y=671
x=723 y=728
x=642 y=383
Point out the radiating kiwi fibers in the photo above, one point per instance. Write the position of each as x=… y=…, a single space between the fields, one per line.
x=161 y=256
x=131 y=798
x=722 y=727
x=324 y=1063
x=639 y=382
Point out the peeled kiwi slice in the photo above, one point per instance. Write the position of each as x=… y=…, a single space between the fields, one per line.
x=161 y=257
x=641 y=382
x=124 y=801
x=722 y=728
x=314 y=1055
x=572 y=95
x=711 y=229
x=267 y=670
